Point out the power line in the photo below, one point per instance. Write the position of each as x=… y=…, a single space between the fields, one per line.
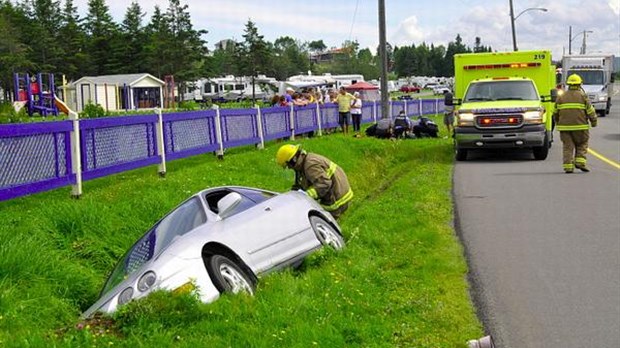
x=353 y=21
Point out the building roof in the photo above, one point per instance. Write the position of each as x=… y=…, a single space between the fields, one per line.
x=123 y=79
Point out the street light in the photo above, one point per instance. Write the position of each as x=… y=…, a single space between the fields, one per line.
x=571 y=39
x=513 y=18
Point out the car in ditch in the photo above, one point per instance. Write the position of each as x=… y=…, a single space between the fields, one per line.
x=220 y=240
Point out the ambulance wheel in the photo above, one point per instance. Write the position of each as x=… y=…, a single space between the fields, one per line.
x=541 y=152
x=461 y=154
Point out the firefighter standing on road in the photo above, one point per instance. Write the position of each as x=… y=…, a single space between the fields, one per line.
x=572 y=113
x=321 y=178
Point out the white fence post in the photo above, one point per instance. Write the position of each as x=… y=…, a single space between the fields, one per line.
x=259 y=120
x=420 y=106
x=76 y=156
x=218 y=132
x=318 y=119
x=405 y=108
x=436 y=106
x=292 y=120
x=374 y=111
x=160 y=142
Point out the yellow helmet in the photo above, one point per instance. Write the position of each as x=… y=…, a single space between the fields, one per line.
x=574 y=79
x=286 y=153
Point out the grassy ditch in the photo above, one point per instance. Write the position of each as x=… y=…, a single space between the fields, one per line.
x=401 y=281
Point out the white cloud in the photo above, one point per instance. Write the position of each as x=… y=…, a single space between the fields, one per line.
x=408 y=32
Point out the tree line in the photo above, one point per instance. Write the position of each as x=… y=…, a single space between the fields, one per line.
x=50 y=36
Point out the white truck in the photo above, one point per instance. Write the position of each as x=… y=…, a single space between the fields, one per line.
x=597 y=73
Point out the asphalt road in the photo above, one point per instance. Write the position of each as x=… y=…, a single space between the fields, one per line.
x=543 y=246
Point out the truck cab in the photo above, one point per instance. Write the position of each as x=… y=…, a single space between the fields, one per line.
x=597 y=74
x=503 y=100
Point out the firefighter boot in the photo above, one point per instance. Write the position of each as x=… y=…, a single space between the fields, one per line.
x=580 y=163
x=568 y=168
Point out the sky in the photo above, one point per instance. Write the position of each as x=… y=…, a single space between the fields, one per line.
x=407 y=22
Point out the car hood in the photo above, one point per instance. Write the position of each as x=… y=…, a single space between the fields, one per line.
x=592 y=88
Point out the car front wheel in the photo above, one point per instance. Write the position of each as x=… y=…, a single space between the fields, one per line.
x=227 y=276
x=326 y=233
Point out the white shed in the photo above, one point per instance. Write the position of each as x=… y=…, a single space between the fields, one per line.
x=117 y=92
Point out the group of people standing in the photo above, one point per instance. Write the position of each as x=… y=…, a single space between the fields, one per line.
x=349 y=105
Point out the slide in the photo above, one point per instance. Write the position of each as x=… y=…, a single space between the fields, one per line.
x=61 y=105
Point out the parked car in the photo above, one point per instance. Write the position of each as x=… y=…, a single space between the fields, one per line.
x=441 y=90
x=220 y=240
x=409 y=89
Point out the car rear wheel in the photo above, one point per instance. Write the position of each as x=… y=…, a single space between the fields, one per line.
x=326 y=233
x=227 y=276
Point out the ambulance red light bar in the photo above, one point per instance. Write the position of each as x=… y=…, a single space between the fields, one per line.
x=501 y=66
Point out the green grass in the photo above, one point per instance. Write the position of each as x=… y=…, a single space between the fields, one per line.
x=401 y=281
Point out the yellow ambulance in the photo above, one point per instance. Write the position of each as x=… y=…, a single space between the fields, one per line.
x=503 y=100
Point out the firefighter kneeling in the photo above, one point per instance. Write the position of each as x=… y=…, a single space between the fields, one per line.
x=319 y=177
x=572 y=113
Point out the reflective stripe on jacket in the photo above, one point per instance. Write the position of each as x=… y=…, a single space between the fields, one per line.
x=573 y=111
x=323 y=180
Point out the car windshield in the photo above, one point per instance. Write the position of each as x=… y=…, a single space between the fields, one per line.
x=501 y=90
x=589 y=77
x=185 y=218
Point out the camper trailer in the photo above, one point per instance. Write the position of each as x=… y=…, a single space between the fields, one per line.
x=231 y=88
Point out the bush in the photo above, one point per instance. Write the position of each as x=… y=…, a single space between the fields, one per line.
x=9 y=115
x=189 y=105
x=93 y=111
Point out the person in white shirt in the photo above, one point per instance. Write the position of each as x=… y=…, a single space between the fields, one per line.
x=356 y=114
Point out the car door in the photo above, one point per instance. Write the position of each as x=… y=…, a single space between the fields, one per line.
x=270 y=233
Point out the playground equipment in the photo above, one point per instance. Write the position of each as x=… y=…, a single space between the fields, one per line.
x=38 y=93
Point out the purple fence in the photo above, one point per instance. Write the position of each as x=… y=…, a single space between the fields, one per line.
x=276 y=122
x=189 y=133
x=34 y=157
x=239 y=127
x=117 y=144
x=37 y=157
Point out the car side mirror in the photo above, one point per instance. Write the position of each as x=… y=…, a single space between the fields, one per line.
x=613 y=78
x=448 y=99
x=227 y=204
x=554 y=94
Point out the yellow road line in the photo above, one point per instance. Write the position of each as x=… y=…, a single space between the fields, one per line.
x=604 y=159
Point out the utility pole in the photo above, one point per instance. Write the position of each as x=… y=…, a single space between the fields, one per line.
x=384 y=61
x=570 y=39
x=583 y=45
x=512 y=23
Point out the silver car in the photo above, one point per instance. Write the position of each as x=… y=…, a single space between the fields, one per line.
x=220 y=240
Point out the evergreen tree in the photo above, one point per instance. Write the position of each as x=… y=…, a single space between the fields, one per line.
x=102 y=32
x=44 y=20
x=255 y=54
x=158 y=35
x=133 y=37
x=76 y=60
x=186 y=50
x=454 y=47
x=13 y=52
